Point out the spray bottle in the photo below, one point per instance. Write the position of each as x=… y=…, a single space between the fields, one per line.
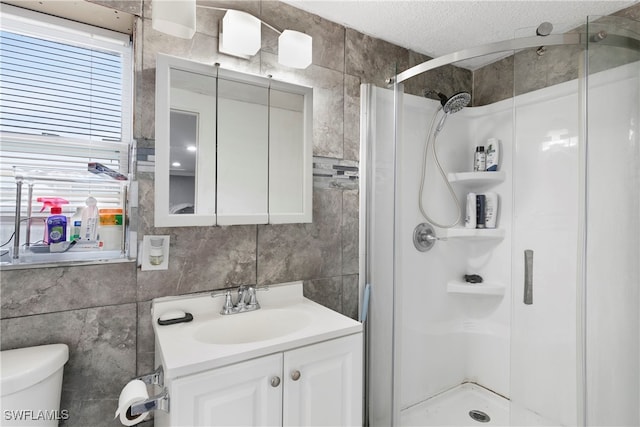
x=56 y=224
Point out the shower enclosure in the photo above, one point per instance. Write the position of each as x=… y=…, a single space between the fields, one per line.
x=442 y=351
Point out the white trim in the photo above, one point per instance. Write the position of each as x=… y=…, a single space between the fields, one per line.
x=27 y=22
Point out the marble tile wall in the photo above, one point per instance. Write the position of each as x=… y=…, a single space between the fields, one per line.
x=527 y=71
x=102 y=312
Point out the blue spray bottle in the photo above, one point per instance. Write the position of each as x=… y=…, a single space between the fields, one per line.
x=56 y=224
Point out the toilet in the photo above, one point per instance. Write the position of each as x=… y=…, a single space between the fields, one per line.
x=31 y=384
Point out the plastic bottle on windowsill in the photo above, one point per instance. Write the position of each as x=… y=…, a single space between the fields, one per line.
x=89 y=224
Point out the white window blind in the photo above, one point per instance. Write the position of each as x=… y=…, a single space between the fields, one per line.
x=52 y=88
x=65 y=101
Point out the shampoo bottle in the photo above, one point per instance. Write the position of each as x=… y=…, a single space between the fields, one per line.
x=481 y=201
x=479 y=160
x=490 y=210
x=470 y=216
x=89 y=222
x=493 y=154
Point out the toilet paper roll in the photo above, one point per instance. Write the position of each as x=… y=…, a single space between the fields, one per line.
x=135 y=391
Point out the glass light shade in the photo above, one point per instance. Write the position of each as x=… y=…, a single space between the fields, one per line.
x=240 y=34
x=295 y=49
x=174 y=17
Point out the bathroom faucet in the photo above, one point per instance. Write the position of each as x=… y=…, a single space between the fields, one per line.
x=241 y=305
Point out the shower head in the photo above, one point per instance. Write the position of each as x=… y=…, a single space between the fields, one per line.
x=455 y=102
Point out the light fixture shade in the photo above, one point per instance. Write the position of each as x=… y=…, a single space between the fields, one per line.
x=174 y=17
x=295 y=49
x=240 y=34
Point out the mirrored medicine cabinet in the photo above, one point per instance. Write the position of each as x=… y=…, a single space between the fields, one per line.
x=231 y=148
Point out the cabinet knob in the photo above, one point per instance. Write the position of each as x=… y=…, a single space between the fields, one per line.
x=295 y=375
x=275 y=381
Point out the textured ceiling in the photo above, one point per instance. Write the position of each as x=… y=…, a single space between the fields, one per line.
x=436 y=28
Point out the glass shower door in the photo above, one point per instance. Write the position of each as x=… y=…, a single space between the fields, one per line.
x=546 y=236
x=612 y=267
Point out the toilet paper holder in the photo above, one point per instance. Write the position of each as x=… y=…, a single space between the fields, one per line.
x=159 y=401
x=154 y=378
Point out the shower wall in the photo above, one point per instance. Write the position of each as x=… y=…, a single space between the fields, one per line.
x=448 y=338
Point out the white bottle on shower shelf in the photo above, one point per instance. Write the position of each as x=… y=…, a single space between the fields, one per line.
x=491 y=210
x=470 y=216
x=492 y=154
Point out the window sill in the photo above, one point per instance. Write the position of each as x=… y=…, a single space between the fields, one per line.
x=7 y=266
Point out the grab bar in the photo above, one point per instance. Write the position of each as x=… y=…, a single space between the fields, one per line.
x=528 y=277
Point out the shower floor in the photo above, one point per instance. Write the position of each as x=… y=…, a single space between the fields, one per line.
x=452 y=408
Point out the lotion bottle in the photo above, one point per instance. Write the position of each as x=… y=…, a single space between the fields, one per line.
x=89 y=224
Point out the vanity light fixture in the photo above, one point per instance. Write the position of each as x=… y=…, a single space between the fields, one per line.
x=174 y=17
x=239 y=32
x=295 y=49
x=192 y=148
x=176 y=164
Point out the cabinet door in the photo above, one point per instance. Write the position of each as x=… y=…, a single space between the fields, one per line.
x=243 y=153
x=328 y=389
x=236 y=395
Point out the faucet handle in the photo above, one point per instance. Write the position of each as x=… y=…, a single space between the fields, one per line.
x=253 y=301
x=227 y=307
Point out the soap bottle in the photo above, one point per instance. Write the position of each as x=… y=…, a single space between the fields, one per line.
x=479 y=160
x=55 y=229
x=74 y=226
x=89 y=222
x=57 y=226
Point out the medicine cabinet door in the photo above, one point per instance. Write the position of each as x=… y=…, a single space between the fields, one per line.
x=290 y=157
x=243 y=152
x=185 y=178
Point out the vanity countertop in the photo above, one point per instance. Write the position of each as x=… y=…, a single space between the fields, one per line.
x=286 y=320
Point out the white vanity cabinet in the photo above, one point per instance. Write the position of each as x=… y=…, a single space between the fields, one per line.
x=323 y=384
x=319 y=384
x=237 y=395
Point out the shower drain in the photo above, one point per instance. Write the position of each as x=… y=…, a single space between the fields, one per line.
x=479 y=416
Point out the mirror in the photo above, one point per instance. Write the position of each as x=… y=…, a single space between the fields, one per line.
x=243 y=144
x=231 y=148
x=183 y=140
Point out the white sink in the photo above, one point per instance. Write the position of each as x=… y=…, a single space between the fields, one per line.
x=254 y=326
x=285 y=320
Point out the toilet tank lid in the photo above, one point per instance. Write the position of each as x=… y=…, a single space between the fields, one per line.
x=23 y=367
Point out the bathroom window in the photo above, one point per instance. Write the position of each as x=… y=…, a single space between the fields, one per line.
x=66 y=101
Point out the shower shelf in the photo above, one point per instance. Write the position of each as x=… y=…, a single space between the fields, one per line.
x=476 y=179
x=471 y=233
x=485 y=288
